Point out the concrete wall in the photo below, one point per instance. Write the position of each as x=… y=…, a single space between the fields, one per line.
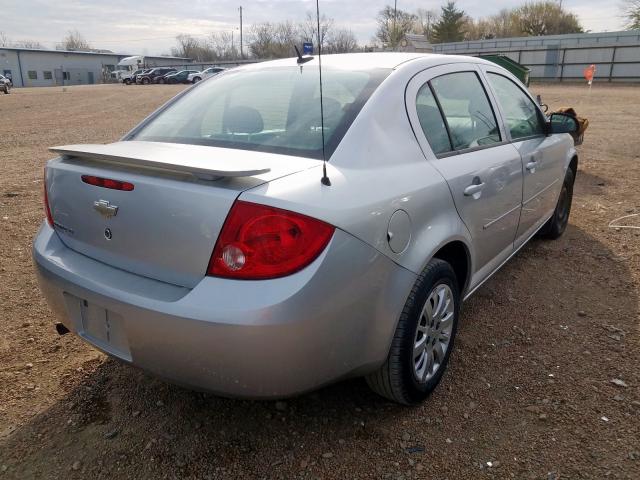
x=564 y=57
x=38 y=68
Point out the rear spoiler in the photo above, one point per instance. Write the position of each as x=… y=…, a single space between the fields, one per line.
x=200 y=161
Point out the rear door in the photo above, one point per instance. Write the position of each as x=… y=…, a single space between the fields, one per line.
x=459 y=132
x=542 y=155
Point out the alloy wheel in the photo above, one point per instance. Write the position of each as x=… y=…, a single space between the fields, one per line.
x=433 y=333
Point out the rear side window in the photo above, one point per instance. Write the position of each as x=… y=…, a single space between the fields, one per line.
x=464 y=103
x=522 y=116
x=431 y=121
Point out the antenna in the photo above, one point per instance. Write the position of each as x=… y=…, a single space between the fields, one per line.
x=301 y=59
x=324 y=180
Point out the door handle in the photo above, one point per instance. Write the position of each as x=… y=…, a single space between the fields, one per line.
x=473 y=189
x=531 y=166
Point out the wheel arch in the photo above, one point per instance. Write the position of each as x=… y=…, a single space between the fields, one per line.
x=457 y=254
x=573 y=164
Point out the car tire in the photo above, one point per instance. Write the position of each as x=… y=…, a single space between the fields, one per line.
x=196 y=79
x=127 y=81
x=145 y=81
x=408 y=375
x=557 y=224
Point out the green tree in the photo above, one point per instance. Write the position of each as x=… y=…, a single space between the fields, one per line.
x=450 y=26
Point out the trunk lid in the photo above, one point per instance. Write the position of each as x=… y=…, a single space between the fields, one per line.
x=166 y=227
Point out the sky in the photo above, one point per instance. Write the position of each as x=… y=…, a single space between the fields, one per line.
x=149 y=27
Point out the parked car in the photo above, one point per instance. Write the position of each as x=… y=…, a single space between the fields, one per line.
x=161 y=77
x=5 y=84
x=131 y=78
x=210 y=246
x=179 y=77
x=136 y=78
x=209 y=72
x=148 y=77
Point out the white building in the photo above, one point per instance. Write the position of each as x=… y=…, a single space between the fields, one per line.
x=28 y=67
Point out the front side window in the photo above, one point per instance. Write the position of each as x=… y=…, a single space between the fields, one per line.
x=271 y=110
x=522 y=116
x=467 y=110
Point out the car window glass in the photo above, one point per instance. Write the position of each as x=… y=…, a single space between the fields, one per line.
x=431 y=121
x=521 y=115
x=467 y=110
x=274 y=110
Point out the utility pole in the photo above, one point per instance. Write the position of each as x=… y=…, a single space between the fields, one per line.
x=241 y=52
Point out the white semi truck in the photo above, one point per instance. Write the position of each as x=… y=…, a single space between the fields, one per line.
x=126 y=68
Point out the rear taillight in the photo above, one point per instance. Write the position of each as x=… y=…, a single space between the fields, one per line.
x=107 y=183
x=47 y=209
x=259 y=242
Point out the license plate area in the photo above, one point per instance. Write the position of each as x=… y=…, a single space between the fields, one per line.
x=100 y=326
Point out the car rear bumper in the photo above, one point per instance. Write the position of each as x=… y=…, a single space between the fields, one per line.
x=258 y=339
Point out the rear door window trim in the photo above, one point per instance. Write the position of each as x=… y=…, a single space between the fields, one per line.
x=454 y=152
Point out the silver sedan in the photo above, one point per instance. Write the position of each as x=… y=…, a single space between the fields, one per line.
x=212 y=246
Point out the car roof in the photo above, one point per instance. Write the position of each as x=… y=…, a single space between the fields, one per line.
x=373 y=60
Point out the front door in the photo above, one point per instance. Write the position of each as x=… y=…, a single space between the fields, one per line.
x=458 y=131
x=541 y=154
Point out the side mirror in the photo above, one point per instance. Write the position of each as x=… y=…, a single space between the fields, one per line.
x=562 y=123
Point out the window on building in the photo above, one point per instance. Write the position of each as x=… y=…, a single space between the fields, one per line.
x=33 y=75
x=110 y=68
x=47 y=75
x=65 y=76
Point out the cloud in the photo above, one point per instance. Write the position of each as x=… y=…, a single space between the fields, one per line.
x=150 y=26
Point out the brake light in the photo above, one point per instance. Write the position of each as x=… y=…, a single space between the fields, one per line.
x=47 y=209
x=107 y=183
x=260 y=242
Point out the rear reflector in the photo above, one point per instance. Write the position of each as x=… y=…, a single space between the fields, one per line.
x=107 y=183
x=260 y=242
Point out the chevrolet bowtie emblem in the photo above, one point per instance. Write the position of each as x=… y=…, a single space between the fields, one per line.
x=105 y=208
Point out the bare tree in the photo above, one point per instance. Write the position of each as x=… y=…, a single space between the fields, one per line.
x=74 y=41
x=262 y=37
x=273 y=40
x=4 y=40
x=309 y=29
x=537 y=18
x=425 y=19
x=632 y=14
x=341 y=40
x=223 y=46
x=28 y=44
x=277 y=40
x=393 y=25
x=546 y=18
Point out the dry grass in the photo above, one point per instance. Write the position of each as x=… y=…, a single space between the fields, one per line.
x=528 y=388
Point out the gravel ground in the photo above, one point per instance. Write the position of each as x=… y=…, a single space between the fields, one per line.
x=530 y=392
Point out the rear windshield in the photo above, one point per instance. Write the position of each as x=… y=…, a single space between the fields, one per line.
x=271 y=110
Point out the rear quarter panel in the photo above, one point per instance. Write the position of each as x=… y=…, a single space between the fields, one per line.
x=378 y=168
